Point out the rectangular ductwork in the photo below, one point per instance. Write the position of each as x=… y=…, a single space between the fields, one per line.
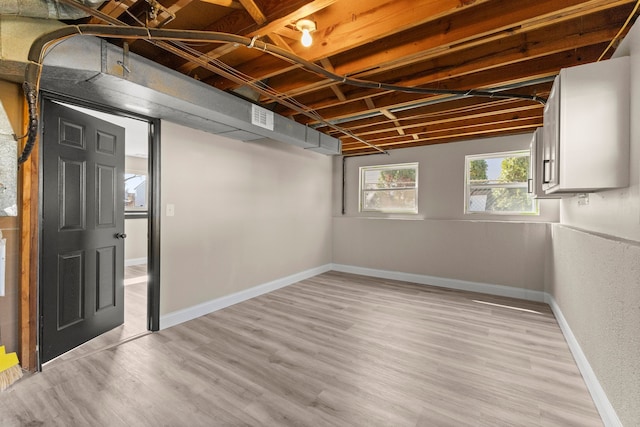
x=90 y=68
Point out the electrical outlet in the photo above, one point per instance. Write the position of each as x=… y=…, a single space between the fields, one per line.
x=583 y=199
x=171 y=210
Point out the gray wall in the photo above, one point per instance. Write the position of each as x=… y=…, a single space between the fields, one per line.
x=596 y=284
x=441 y=240
x=245 y=214
x=595 y=273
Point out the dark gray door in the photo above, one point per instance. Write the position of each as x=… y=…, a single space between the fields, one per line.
x=82 y=269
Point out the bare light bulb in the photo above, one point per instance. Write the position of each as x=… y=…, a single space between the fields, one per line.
x=306 y=39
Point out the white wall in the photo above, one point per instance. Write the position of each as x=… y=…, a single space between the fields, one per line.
x=441 y=240
x=616 y=212
x=595 y=271
x=245 y=214
x=135 y=245
x=136 y=229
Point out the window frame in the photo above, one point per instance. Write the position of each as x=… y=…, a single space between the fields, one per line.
x=362 y=190
x=138 y=212
x=484 y=156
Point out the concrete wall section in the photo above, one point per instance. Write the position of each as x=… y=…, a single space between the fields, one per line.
x=245 y=214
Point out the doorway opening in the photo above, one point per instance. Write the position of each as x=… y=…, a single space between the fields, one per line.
x=140 y=254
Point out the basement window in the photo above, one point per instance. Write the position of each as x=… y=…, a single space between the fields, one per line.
x=389 y=188
x=496 y=183
x=135 y=194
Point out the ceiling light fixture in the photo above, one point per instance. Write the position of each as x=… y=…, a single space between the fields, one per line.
x=307 y=26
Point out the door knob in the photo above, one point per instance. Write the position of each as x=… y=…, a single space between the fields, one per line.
x=120 y=236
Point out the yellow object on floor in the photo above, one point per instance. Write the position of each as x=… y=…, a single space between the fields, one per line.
x=10 y=370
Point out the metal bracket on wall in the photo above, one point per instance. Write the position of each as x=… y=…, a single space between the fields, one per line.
x=103 y=56
x=125 y=60
x=583 y=199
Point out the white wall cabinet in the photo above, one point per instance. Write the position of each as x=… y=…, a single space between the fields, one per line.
x=535 y=167
x=586 y=129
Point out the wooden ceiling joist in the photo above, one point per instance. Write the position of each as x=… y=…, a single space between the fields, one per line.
x=443 y=44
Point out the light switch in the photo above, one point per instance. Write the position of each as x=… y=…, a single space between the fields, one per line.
x=171 y=210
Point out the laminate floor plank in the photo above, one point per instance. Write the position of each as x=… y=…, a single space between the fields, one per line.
x=135 y=318
x=333 y=350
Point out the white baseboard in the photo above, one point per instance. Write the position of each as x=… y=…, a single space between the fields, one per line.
x=606 y=410
x=180 y=316
x=485 y=288
x=135 y=261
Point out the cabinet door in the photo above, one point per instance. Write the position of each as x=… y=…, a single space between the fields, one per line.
x=551 y=138
x=535 y=169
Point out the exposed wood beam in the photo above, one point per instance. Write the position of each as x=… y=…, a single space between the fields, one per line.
x=452 y=110
x=334 y=87
x=270 y=27
x=253 y=10
x=494 y=116
x=308 y=9
x=354 y=149
x=510 y=74
x=280 y=42
x=113 y=8
x=29 y=254
x=469 y=29
x=499 y=20
x=339 y=94
x=457 y=61
x=287 y=32
x=445 y=44
x=226 y=3
x=349 y=25
x=370 y=104
x=175 y=7
x=388 y=114
x=450 y=134
x=209 y=56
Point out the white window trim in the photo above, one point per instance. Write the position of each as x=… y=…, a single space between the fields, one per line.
x=467 y=186
x=362 y=171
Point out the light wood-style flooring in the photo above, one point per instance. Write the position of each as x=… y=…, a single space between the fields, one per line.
x=135 y=318
x=334 y=350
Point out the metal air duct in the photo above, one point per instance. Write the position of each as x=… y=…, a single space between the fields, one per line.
x=90 y=68
x=46 y=9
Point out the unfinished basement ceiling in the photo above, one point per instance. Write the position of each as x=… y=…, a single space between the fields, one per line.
x=506 y=46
